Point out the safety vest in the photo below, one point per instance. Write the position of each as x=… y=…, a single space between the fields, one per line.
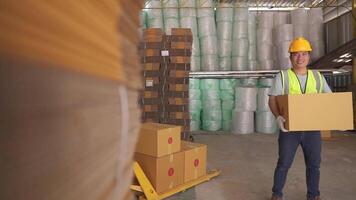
x=291 y=83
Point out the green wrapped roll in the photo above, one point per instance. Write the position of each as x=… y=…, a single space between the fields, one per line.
x=210 y=94
x=265 y=82
x=195 y=115
x=211 y=104
x=194 y=94
x=228 y=104
x=226 y=125
x=195 y=104
x=227 y=84
x=227 y=94
x=212 y=115
x=194 y=125
x=226 y=115
x=194 y=83
x=247 y=82
x=209 y=84
x=211 y=125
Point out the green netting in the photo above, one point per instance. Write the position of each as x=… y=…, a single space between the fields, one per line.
x=226 y=114
x=209 y=84
x=227 y=94
x=228 y=104
x=194 y=125
x=227 y=84
x=211 y=125
x=212 y=114
x=226 y=125
x=194 y=83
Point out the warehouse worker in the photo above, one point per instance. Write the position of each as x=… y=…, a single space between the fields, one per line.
x=297 y=80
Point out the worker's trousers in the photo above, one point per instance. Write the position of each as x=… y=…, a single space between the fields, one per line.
x=288 y=142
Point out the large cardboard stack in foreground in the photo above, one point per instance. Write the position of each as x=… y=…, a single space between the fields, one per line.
x=307 y=112
x=166 y=160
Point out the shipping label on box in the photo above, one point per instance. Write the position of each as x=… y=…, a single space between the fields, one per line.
x=158 y=139
x=309 y=112
x=195 y=156
x=164 y=173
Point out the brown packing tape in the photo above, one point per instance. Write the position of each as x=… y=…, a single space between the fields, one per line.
x=179 y=59
x=151 y=66
x=179 y=73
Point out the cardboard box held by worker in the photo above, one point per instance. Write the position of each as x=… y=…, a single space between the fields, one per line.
x=308 y=112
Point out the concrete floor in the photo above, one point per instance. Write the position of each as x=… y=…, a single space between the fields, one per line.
x=247 y=163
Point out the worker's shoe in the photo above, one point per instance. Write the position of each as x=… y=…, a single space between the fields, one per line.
x=276 y=198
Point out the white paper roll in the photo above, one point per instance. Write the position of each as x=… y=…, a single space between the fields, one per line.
x=265 y=20
x=240 y=47
x=316 y=31
x=224 y=30
x=245 y=98
x=209 y=63
x=264 y=51
x=242 y=122
x=264 y=35
x=189 y=22
x=240 y=29
x=187 y=3
x=282 y=49
x=225 y=12
x=280 y=18
x=155 y=23
x=211 y=125
x=284 y=63
x=239 y=63
x=170 y=23
x=195 y=104
x=262 y=98
x=205 y=8
x=196 y=46
x=300 y=30
x=206 y=26
x=252 y=33
x=265 y=123
x=315 y=15
x=170 y=8
x=208 y=45
x=299 y=16
x=283 y=32
x=195 y=63
x=225 y=63
x=224 y=48
x=266 y=65
x=252 y=65
x=210 y=84
x=252 y=52
x=318 y=49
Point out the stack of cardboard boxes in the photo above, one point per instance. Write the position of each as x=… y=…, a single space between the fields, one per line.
x=151 y=59
x=166 y=66
x=176 y=78
x=166 y=160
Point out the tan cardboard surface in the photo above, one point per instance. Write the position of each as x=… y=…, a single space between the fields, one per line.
x=195 y=158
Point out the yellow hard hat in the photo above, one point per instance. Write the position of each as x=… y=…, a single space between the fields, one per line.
x=299 y=44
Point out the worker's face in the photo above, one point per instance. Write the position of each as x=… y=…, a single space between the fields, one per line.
x=300 y=59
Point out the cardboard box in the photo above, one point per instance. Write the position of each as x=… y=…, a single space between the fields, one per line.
x=150 y=94
x=307 y=112
x=151 y=66
x=179 y=73
x=181 y=31
x=178 y=101
x=158 y=139
x=180 y=59
x=165 y=172
x=150 y=108
x=195 y=156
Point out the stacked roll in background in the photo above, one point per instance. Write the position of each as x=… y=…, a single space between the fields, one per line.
x=170 y=15
x=224 y=21
x=176 y=79
x=207 y=35
x=265 y=46
x=299 y=19
x=143 y=23
x=227 y=96
x=151 y=59
x=240 y=42
x=283 y=36
x=154 y=14
x=74 y=93
x=188 y=19
x=265 y=120
x=211 y=113
x=316 y=32
x=252 y=40
x=245 y=106
x=195 y=104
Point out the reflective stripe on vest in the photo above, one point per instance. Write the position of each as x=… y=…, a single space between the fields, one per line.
x=290 y=82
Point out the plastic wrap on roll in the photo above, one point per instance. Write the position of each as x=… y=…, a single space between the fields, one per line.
x=208 y=45
x=252 y=65
x=212 y=115
x=265 y=20
x=143 y=16
x=252 y=33
x=245 y=98
x=195 y=63
x=227 y=84
x=189 y=22
x=227 y=114
x=228 y=105
x=194 y=94
x=195 y=105
x=205 y=3
x=206 y=26
x=318 y=49
x=262 y=98
x=240 y=47
x=252 y=18
x=315 y=15
x=316 y=31
x=205 y=8
x=211 y=125
x=264 y=51
x=266 y=64
x=188 y=12
x=155 y=23
x=265 y=123
x=240 y=29
x=240 y=13
x=227 y=95
x=283 y=33
x=224 y=30
x=300 y=30
x=264 y=35
x=282 y=49
x=239 y=63
x=196 y=46
x=209 y=84
x=187 y=3
x=154 y=14
x=194 y=125
x=209 y=62
x=226 y=125
x=224 y=12
x=248 y=82
x=284 y=63
x=225 y=63
x=252 y=52
x=170 y=23
x=224 y=48
x=265 y=82
x=211 y=104
x=170 y=8
x=280 y=18
x=194 y=83
x=299 y=16
x=242 y=122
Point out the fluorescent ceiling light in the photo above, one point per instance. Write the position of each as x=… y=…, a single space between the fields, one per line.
x=273 y=8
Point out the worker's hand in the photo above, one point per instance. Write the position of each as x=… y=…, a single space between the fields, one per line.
x=280 y=121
